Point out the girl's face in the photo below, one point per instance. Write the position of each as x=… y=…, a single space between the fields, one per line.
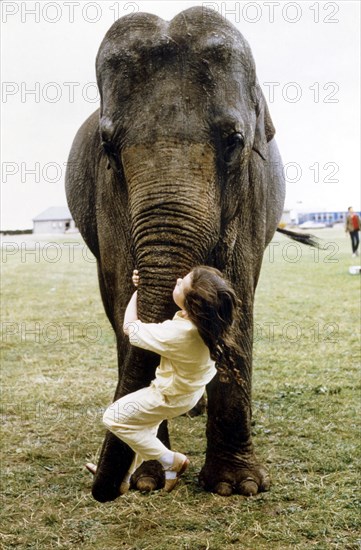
x=180 y=290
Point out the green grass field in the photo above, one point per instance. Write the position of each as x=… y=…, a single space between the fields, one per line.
x=59 y=373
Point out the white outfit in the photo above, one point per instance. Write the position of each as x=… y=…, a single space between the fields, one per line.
x=180 y=379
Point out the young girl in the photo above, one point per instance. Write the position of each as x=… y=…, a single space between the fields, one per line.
x=190 y=347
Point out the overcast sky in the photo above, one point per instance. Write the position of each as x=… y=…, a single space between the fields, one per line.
x=307 y=58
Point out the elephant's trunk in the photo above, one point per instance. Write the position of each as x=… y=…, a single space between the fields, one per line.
x=173 y=205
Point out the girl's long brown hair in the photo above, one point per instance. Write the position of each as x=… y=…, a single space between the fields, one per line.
x=213 y=306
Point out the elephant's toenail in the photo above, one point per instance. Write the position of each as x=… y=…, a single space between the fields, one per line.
x=146 y=484
x=248 y=487
x=224 y=489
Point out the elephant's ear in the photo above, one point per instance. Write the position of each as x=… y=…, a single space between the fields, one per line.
x=264 y=127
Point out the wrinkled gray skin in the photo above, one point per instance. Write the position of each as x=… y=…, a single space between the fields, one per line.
x=179 y=167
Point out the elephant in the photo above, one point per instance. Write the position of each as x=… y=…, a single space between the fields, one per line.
x=178 y=167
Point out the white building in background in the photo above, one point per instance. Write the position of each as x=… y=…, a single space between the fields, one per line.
x=56 y=219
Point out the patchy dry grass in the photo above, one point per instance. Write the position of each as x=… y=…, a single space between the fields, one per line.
x=59 y=372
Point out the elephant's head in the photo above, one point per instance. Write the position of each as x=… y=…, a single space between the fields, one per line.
x=181 y=116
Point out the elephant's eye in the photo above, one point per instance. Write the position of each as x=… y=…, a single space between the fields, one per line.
x=234 y=144
x=111 y=152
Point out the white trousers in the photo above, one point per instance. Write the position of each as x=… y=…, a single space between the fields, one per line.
x=135 y=419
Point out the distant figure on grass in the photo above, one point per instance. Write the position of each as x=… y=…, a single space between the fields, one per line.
x=192 y=346
x=353 y=227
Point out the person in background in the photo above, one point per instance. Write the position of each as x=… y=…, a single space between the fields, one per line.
x=353 y=227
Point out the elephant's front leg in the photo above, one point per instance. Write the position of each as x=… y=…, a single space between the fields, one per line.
x=231 y=466
x=116 y=457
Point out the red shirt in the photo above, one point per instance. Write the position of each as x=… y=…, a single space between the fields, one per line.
x=354 y=219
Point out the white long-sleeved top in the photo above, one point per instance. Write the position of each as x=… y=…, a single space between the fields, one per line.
x=185 y=364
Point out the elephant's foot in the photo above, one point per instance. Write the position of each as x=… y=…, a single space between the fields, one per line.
x=114 y=464
x=124 y=486
x=240 y=474
x=148 y=477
